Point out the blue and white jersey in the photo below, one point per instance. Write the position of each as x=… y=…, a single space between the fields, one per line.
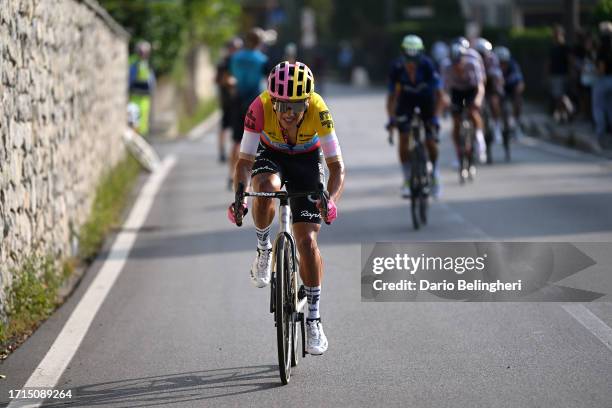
x=512 y=73
x=426 y=79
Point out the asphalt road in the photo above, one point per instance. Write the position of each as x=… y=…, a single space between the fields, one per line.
x=183 y=327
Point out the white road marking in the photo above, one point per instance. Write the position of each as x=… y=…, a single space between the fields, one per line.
x=203 y=128
x=591 y=322
x=50 y=369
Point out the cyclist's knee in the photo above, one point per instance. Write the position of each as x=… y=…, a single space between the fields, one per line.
x=306 y=244
x=266 y=182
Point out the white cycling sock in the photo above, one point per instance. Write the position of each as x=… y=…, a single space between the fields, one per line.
x=313 y=293
x=263 y=237
x=482 y=145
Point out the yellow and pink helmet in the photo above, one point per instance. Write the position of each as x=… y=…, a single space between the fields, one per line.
x=291 y=82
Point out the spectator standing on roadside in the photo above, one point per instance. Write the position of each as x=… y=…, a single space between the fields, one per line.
x=586 y=56
x=602 y=88
x=227 y=93
x=248 y=67
x=345 y=60
x=558 y=71
x=142 y=84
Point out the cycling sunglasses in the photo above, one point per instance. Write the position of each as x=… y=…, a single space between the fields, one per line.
x=296 y=107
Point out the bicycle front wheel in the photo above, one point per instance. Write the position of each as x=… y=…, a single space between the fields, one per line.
x=283 y=311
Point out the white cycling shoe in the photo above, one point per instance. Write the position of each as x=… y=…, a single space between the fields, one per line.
x=316 y=342
x=261 y=269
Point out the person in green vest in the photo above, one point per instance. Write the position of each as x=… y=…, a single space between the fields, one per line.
x=142 y=84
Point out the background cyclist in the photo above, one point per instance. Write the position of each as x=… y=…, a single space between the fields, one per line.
x=494 y=84
x=284 y=130
x=415 y=82
x=513 y=88
x=464 y=81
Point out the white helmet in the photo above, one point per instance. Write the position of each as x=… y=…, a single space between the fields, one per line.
x=483 y=45
x=503 y=53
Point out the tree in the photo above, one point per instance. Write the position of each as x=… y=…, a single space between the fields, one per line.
x=174 y=27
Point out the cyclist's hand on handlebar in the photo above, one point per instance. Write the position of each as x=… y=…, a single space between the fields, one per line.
x=332 y=210
x=231 y=214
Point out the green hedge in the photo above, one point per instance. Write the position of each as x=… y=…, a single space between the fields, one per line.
x=530 y=47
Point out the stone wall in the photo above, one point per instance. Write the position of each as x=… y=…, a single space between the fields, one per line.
x=63 y=81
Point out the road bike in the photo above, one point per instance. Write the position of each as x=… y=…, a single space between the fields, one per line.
x=287 y=294
x=420 y=174
x=509 y=132
x=487 y=120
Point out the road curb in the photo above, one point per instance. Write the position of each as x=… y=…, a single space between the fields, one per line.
x=571 y=135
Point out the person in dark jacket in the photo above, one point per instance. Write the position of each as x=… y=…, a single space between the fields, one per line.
x=602 y=89
x=227 y=93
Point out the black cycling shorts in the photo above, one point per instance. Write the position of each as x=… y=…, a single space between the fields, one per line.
x=298 y=172
x=493 y=87
x=510 y=89
x=404 y=111
x=459 y=98
x=227 y=121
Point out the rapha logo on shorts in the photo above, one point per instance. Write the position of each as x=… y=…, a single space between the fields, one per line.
x=264 y=169
x=309 y=215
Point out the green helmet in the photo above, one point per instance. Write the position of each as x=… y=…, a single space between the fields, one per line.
x=412 y=45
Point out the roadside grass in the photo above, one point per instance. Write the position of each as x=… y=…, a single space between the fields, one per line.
x=35 y=291
x=31 y=299
x=201 y=112
x=111 y=197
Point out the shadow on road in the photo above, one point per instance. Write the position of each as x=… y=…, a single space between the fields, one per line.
x=494 y=215
x=174 y=388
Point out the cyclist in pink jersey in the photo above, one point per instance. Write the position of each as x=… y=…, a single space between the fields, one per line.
x=285 y=129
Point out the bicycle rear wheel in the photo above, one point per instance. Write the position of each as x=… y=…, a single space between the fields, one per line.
x=283 y=313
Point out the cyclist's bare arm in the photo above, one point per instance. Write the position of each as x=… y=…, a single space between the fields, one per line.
x=392 y=101
x=335 y=184
x=479 y=95
x=242 y=172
